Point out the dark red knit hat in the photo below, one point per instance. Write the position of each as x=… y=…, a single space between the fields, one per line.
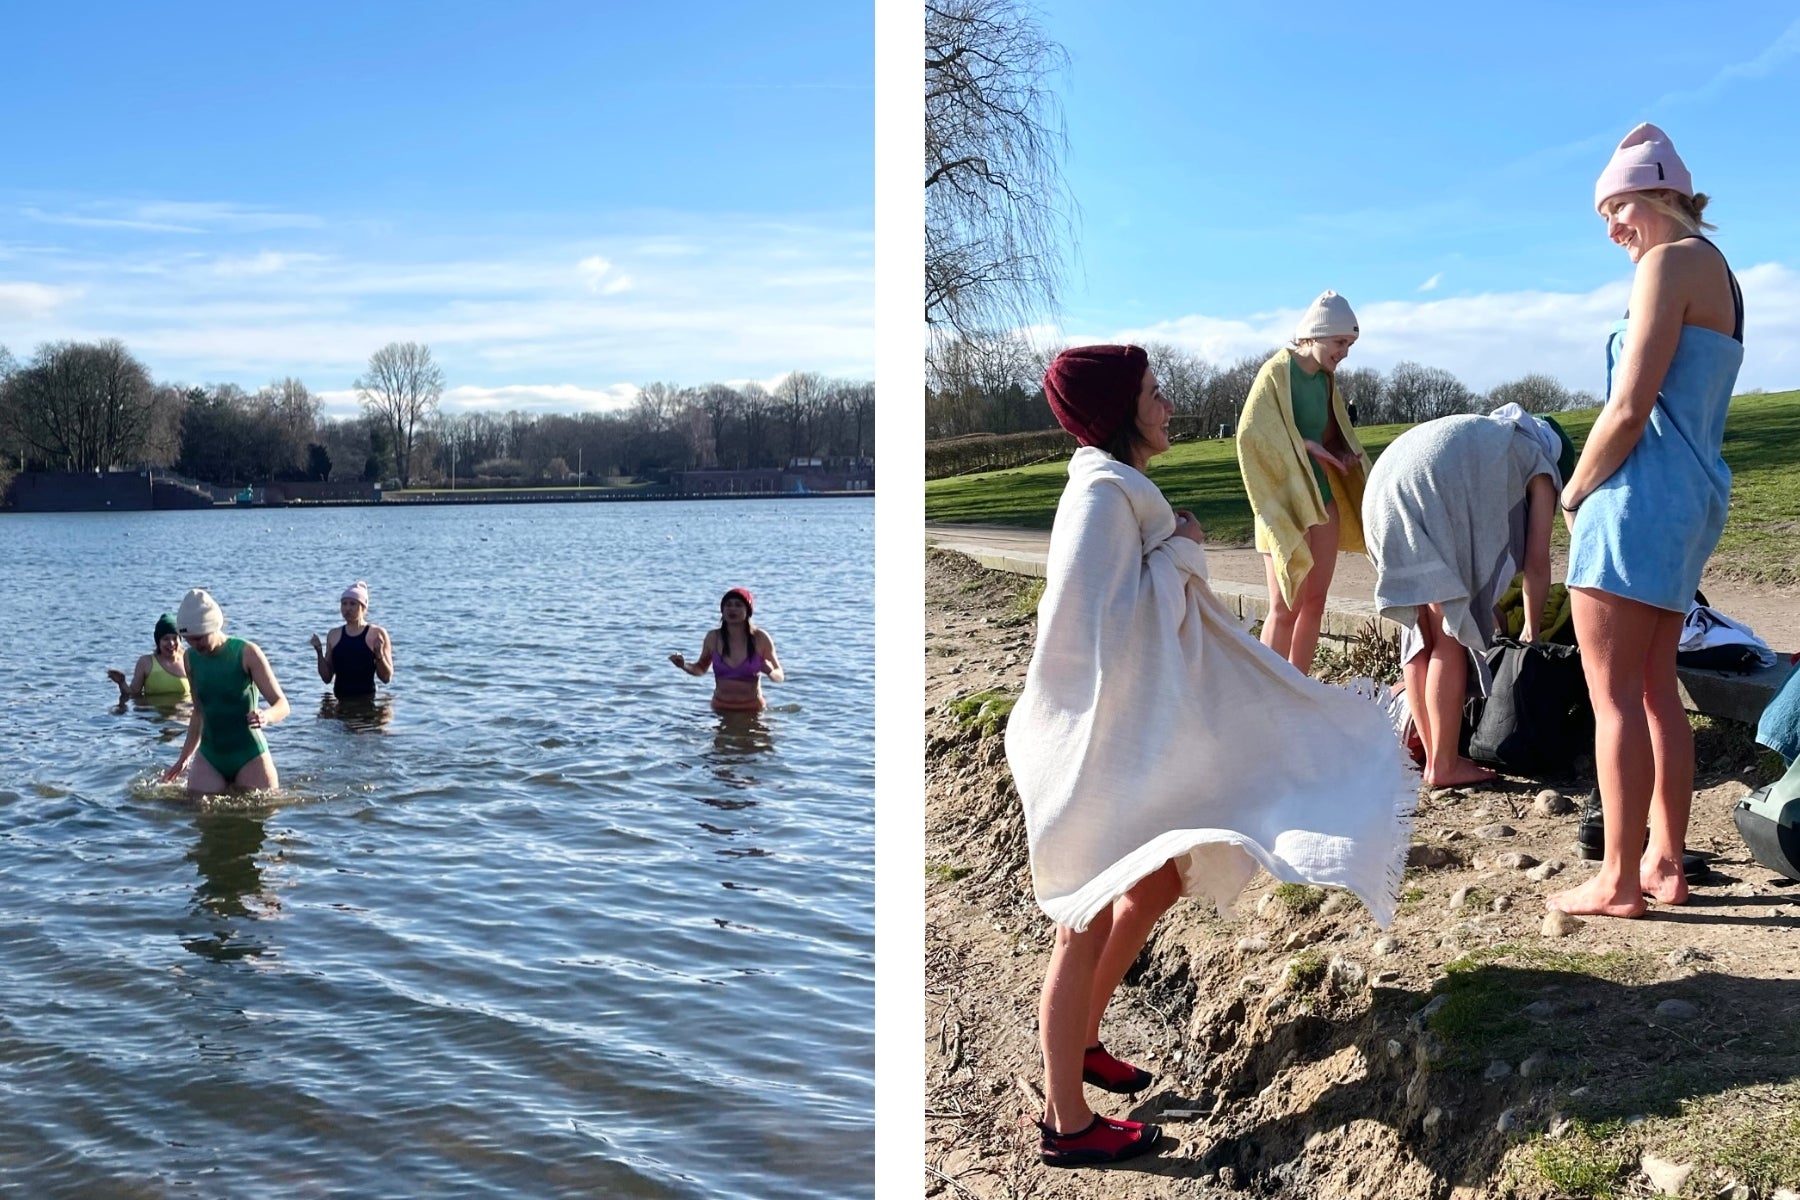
x=1093 y=390
x=742 y=594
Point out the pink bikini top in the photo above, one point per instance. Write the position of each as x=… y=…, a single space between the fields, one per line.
x=749 y=669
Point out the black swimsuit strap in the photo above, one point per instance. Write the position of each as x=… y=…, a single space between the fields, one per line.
x=1737 y=293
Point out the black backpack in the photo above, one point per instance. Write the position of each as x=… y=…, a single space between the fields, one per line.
x=1537 y=718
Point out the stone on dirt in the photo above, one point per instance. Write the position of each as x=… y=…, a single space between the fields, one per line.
x=1665 y=1176
x=1497 y=1070
x=1495 y=831
x=1552 y=803
x=1543 y=871
x=1677 y=1010
x=1687 y=954
x=1558 y=923
x=1514 y=860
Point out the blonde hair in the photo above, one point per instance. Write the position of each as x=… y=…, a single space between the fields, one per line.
x=1683 y=210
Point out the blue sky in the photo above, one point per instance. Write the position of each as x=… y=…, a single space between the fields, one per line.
x=564 y=200
x=1434 y=164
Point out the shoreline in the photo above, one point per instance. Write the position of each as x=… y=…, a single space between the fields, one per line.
x=589 y=496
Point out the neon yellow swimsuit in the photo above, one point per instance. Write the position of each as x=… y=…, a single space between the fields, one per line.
x=161 y=684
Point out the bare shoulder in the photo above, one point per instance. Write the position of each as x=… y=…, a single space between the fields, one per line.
x=764 y=642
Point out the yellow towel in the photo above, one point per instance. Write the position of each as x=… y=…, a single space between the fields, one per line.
x=1511 y=606
x=1277 y=470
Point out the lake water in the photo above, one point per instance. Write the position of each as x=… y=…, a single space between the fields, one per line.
x=540 y=924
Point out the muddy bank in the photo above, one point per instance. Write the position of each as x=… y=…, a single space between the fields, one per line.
x=1301 y=1052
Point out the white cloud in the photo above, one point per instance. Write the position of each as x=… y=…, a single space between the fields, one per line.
x=174 y=217
x=32 y=301
x=1431 y=284
x=495 y=311
x=1493 y=337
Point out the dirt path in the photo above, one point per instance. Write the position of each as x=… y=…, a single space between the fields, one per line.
x=1292 y=1038
x=1773 y=613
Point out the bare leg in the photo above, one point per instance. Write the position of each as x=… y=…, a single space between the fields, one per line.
x=1278 y=625
x=1314 y=591
x=1615 y=635
x=258 y=773
x=1133 y=916
x=1446 y=670
x=1063 y=1021
x=203 y=779
x=1672 y=747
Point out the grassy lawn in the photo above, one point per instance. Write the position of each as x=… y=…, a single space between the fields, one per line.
x=1761 y=542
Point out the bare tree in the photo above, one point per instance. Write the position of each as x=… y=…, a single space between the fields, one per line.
x=1361 y=388
x=801 y=400
x=1536 y=392
x=997 y=211
x=401 y=389
x=1417 y=393
x=82 y=406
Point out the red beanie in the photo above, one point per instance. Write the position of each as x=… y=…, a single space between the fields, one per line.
x=1093 y=390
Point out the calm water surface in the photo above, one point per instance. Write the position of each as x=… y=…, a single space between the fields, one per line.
x=538 y=923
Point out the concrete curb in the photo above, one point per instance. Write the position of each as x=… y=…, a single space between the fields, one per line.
x=1709 y=693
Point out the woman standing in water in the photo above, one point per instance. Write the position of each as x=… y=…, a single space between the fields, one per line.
x=739 y=654
x=1645 y=507
x=1303 y=470
x=160 y=677
x=226 y=728
x=355 y=654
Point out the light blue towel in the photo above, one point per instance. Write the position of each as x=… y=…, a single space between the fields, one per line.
x=1647 y=532
x=1779 y=728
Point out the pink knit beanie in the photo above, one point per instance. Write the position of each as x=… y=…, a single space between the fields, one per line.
x=1645 y=160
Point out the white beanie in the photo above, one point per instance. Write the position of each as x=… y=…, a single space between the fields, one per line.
x=1329 y=316
x=199 y=614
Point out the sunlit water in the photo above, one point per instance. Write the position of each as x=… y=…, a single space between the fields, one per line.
x=539 y=924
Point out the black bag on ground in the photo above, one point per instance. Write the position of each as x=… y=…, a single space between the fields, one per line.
x=1537 y=718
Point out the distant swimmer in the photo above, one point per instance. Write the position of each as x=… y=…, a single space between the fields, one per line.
x=355 y=654
x=226 y=674
x=739 y=654
x=160 y=677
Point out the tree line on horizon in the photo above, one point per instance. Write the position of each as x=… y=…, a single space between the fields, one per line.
x=93 y=406
x=993 y=383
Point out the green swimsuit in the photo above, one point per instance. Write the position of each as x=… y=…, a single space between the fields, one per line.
x=225 y=695
x=1312 y=416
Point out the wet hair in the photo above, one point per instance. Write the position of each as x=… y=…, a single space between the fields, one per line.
x=1685 y=211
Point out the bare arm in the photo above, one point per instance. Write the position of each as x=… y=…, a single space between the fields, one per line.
x=263 y=675
x=195 y=720
x=765 y=645
x=706 y=656
x=384 y=654
x=322 y=652
x=1659 y=307
x=134 y=689
x=1540 y=519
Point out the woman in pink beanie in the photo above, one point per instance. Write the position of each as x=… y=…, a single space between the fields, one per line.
x=1645 y=506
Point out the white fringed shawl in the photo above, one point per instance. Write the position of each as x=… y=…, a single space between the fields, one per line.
x=1152 y=727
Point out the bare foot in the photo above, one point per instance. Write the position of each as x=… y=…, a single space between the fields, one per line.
x=1460 y=773
x=1663 y=881
x=1597 y=898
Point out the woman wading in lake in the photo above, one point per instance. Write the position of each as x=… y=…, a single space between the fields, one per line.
x=355 y=654
x=226 y=728
x=1161 y=751
x=739 y=654
x=161 y=677
x=1645 y=507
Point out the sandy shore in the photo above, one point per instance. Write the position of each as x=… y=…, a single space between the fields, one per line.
x=1291 y=1056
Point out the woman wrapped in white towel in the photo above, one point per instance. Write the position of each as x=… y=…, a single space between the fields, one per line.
x=1161 y=751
